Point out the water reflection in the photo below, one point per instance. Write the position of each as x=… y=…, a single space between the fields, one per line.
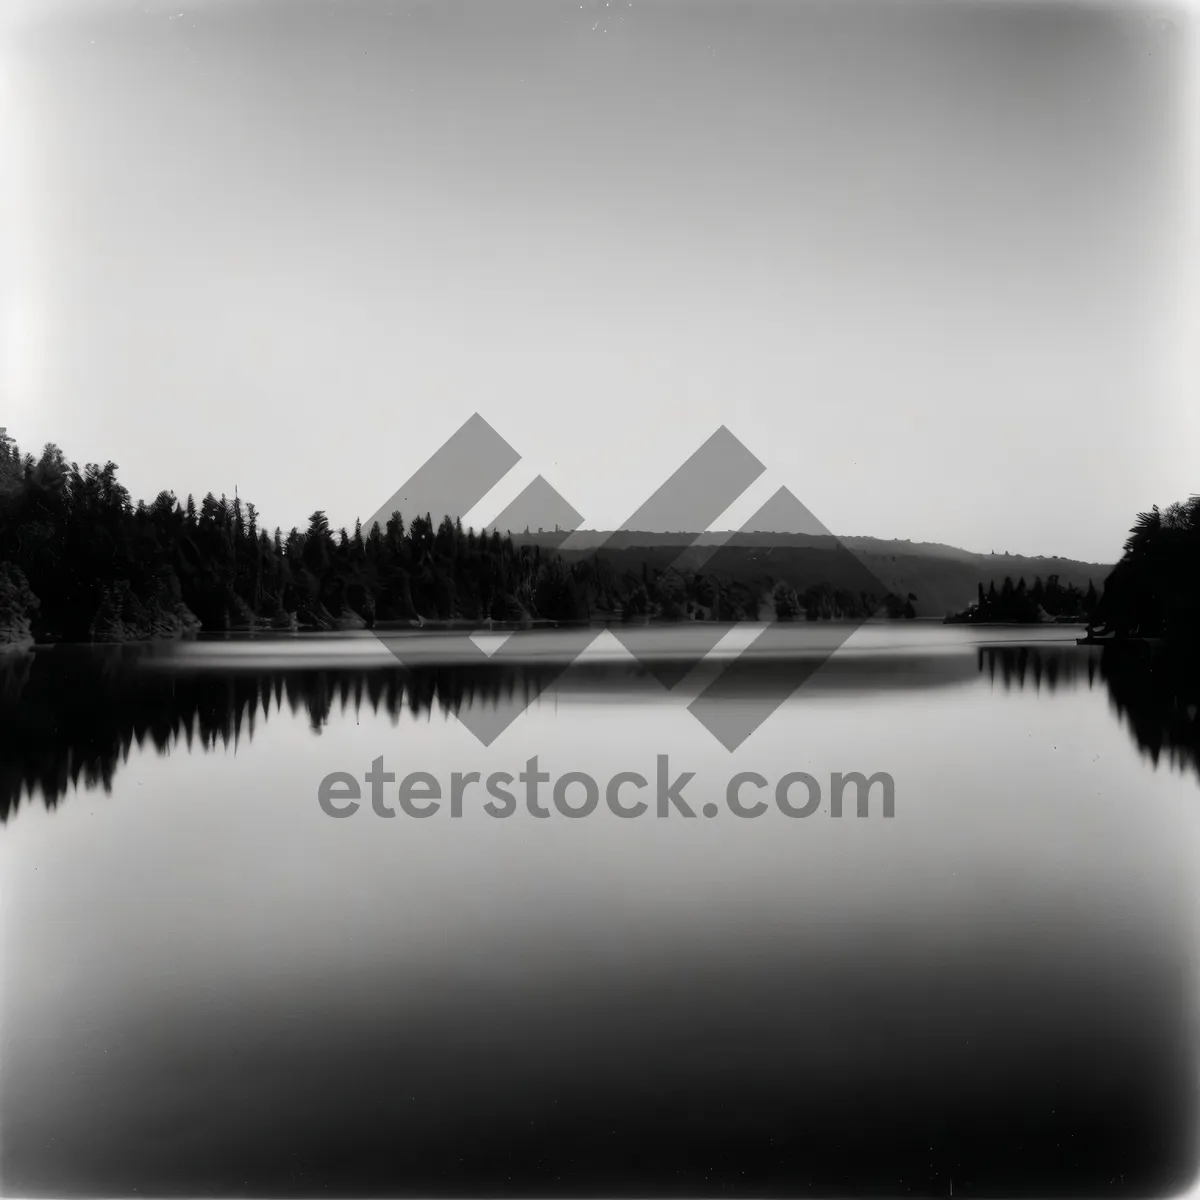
x=1154 y=690
x=71 y=716
x=992 y=994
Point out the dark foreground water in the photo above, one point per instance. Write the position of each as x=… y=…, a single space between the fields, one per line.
x=211 y=986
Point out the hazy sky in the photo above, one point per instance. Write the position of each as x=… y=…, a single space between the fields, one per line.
x=927 y=261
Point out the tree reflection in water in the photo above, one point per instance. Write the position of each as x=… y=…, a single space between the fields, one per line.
x=69 y=717
x=1154 y=689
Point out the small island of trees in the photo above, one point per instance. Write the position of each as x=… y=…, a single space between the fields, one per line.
x=1018 y=604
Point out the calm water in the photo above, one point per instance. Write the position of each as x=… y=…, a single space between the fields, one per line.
x=210 y=986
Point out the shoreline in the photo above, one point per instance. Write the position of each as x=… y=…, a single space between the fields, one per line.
x=433 y=627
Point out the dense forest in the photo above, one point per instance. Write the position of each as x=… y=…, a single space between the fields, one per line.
x=80 y=561
x=86 y=563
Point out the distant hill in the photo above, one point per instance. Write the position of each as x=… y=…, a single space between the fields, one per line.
x=944 y=579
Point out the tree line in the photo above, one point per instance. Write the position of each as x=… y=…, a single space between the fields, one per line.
x=79 y=560
x=88 y=563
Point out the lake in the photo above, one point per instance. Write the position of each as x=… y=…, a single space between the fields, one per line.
x=211 y=986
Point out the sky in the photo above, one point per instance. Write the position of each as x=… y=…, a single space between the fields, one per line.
x=932 y=263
